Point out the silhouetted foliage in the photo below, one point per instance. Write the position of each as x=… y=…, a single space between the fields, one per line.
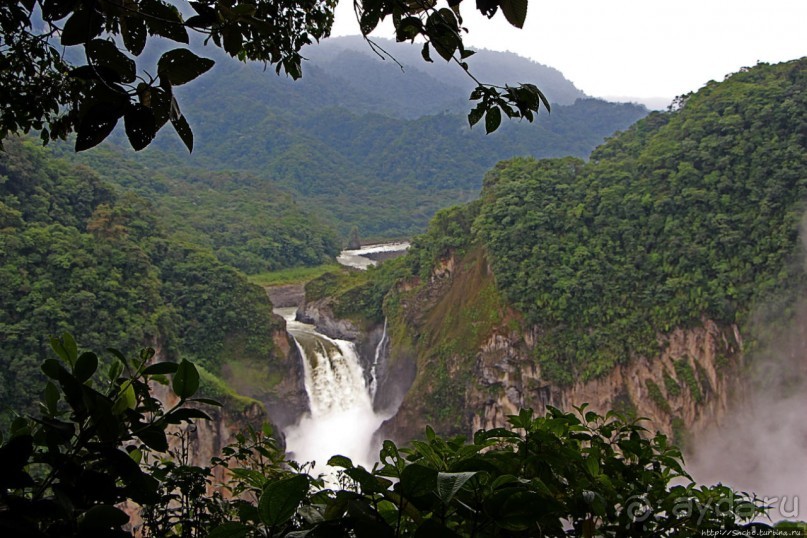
x=67 y=472
x=48 y=89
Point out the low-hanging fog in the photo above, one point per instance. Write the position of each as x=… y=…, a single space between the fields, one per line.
x=761 y=446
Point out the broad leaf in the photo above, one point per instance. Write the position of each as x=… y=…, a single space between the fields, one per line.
x=186 y=380
x=281 y=498
x=448 y=484
x=154 y=437
x=134 y=33
x=51 y=397
x=340 y=461
x=84 y=25
x=127 y=399
x=105 y=54
x=515 y=11
x=164 y=19
x=102 y=517
x=141 y=126
x=476 y=114
x=96 y=125
x=493 y=119
x=186 y=414
x=231 y=529
x=417 y=480
x=180 y=66
x=85 y=366
x=54 y=10
x=161 y=368
x=184 y=131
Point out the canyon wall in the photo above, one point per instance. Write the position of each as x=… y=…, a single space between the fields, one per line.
x=473 y=364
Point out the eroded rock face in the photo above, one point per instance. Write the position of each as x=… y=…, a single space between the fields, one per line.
x=320 y=314
x=685 y=389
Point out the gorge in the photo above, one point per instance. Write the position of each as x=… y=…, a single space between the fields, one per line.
x=662 y=277
x=657 y=279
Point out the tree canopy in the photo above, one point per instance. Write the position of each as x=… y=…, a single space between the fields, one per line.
x=78 y=66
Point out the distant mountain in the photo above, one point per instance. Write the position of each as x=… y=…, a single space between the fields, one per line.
x=429 y=87
x=362 y=142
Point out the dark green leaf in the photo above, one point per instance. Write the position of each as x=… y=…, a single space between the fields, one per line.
x=281 y=498
x=134 y=33
x=430 y=528
x=53 y=369
x=186 y=414
x=140 y=124
x=82 y=26
x=164 y=19
x=232 y=40
x=161 y=368
x=493 y=118
x=55 y=10
x=14 y=457
x=96 y=125
x=487 y=7
x=186 y=380
x=102 y=517
x=231 y=529
x=180 y=66
x=448 y=484
x=154 y=437
x=114 y=371
x=408 y=29
x=340 y=461
x=425 y=53
x=515 y=11
x=368 y=482
x=206 y=401
x=184 y=131
x=51 y=397
x=105 y=54
x=66 y=348
x=127 y=399
x=476 y=114
x=417 y=480
x=515 y=509
x=85 y=366
x=118 y=355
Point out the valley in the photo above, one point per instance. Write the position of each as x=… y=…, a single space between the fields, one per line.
x=647 y=263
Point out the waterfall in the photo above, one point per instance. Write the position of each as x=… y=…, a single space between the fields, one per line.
x=341 y=418
x=379 y=350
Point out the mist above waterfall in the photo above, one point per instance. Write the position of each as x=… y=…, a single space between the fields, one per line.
x=761 y=447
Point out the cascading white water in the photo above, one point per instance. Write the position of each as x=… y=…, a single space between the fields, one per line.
x=379 y=349
x=342 y=420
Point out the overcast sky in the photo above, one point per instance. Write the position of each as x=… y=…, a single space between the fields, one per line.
x=639 y=48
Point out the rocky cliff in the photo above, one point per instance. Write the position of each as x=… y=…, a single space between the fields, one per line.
x=474 y=364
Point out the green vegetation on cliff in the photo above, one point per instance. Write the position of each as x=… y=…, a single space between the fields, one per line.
x=690 y=214
x=101 y=440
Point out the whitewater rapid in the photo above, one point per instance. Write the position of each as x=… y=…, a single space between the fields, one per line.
x=357 y=258
x=341 y=418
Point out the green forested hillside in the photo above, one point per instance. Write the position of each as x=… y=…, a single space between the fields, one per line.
x=78 y=255
x=687 y=215
x=382 y=151
x=244 y=219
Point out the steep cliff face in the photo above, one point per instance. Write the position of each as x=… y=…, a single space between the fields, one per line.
x=206 y=438
x=475 y=364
